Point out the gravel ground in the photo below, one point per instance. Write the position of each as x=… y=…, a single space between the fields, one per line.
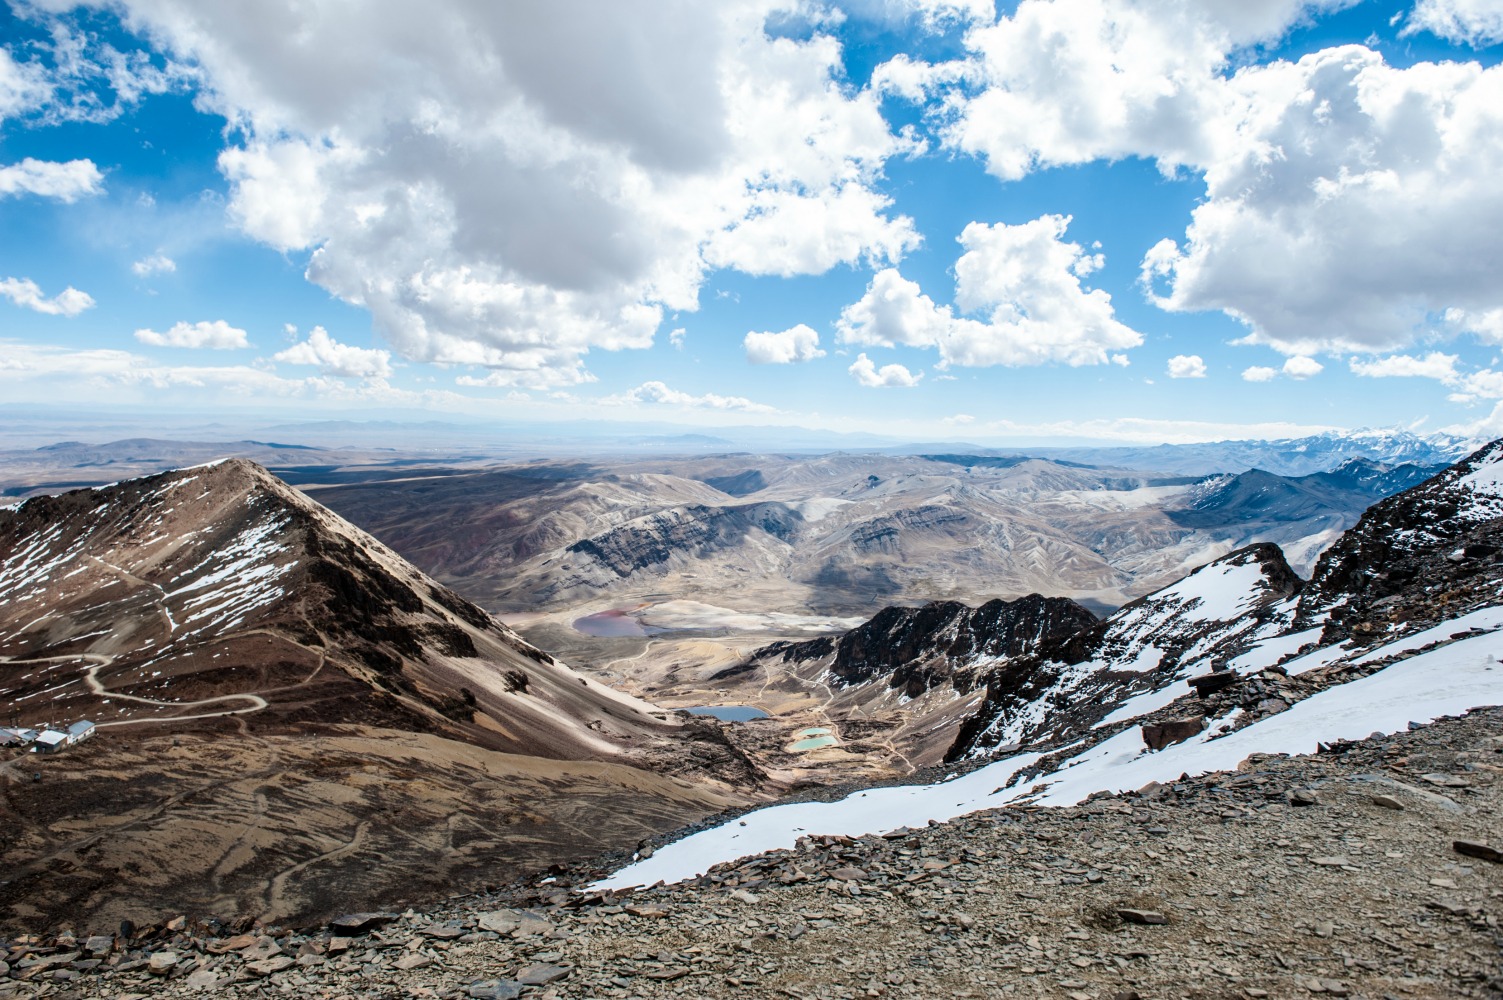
x=1347 y=873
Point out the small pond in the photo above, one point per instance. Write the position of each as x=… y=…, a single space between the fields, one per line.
x=730 y=713
x=813 y=738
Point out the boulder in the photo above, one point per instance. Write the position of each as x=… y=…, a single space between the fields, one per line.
x=1159 y=735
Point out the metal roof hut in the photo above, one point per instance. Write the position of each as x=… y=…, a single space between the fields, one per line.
x=49 y=742
x=80 y=731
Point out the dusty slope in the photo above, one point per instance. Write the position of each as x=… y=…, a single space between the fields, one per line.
x=218 y=609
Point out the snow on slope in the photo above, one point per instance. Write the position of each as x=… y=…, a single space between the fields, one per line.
x=1449 y=680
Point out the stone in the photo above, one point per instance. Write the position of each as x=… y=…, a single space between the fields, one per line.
x=262 y=948
x=99 y=944
x=413 y=960
x=541 y=974
x=669 y=975
x=338 y=945
x=203 y=979
x=745 y=897
x=1209 y=684
x=849 y=874
x=161 y=963
x=270 y=966
x=1477 y=849
x=177 y=923
x=1387 y=802
x=1164 y=734
x=494 y=989
x=1446 y=780
x=355 y=924
x=1334 y=861
x=653 y=912
x=443 y=932
x=1303 y=797
x=1135 y=916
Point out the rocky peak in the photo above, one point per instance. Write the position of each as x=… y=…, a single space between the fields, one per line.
x=942 y=642
x=1430 y=552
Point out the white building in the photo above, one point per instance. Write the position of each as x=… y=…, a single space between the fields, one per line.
x=50 y=741
x=80 y=731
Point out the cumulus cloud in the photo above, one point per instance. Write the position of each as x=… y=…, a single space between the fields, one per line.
x=1348 y=202
x=1024 y=281
x=1187 y=366
x=67 y=182
x=799 y=343
x=155 y=264
x=1301 y=367
x=1352 y=202
x=216 y=334
x=1433 y=365
x=28 y=295
x=513 y=186
x=865 y=371
x=334 y=358
x=1466 y=387
x=1259 y=373
x=1465 y=22
x=657 y=392
x=1069 y=81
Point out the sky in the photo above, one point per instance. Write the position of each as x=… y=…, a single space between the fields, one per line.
x=1141 y=220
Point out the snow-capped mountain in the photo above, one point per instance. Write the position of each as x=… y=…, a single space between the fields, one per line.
x=1285 y=456
x=280 y=702
x=1402 y=624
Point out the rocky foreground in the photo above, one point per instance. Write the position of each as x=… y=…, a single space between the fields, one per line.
x=1362 y=871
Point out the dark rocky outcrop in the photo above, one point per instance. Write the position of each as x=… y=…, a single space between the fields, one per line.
x=917 y=649
x=1432 y=552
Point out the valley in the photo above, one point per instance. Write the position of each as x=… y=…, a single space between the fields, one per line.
x=296 y=718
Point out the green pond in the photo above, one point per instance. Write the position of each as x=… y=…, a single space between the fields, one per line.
x=813 y=738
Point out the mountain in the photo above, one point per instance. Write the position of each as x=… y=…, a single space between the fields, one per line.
x=1302 y=514
x=1198 y=693
x=841 y=534
x=276 y=691
x=1285 y=456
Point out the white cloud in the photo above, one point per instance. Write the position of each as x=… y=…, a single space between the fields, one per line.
x=216 y=334
x=676 y=338
x=657 y=392
x=1301 y=367
x=1024 y=279
x=1187 y=366
x=155 y=264
x=23 y=85
x=334 y=358
x=960 y=419
x=865 y=371
x=36 y=372
x=67 y=182
x=1471 y=22
x=1433 y=365
x=798 y=343
x=1069 y=81
x=513 y=186
x=1348 y=203
x=1259 y=373
x=1486 y=325
x=25 y=293
x=1467 y=387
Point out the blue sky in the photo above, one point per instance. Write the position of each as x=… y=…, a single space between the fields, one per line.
x=1057 y=219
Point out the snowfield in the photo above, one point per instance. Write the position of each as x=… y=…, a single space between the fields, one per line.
x=1449 y=680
